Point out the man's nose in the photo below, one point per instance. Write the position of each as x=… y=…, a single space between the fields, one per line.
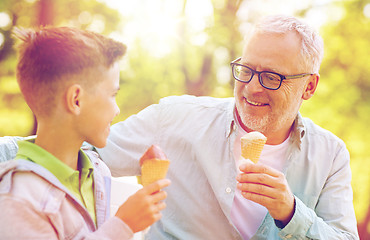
x=254 y=85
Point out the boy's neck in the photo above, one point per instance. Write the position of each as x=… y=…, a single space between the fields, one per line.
x=61 y=143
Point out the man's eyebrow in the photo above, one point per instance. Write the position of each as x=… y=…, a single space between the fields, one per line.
x=271 y=70
x=264 y=68
x=245 y=63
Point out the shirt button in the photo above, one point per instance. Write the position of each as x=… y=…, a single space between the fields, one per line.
x=228 y=190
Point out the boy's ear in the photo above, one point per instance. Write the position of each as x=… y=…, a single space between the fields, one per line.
x=311 y=86
x=73 y=98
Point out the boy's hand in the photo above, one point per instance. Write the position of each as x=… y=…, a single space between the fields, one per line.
x=143 y=208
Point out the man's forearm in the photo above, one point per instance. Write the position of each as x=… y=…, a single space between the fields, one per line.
x=305 y=224
x=8 y=148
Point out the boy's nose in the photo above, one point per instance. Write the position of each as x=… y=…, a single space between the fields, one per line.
x=117 y=110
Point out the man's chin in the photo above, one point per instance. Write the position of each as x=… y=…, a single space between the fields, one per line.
x=256 y=124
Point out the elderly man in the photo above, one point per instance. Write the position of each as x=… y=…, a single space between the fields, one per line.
x=301 y=187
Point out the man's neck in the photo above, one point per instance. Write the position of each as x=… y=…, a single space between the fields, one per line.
x=273 y=137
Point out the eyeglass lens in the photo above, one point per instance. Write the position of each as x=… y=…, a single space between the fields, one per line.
x=268 y=80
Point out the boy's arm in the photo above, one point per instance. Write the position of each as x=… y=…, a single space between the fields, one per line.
x=8 y=147
x=143 y=208
x=140 y=211
x=19 y=220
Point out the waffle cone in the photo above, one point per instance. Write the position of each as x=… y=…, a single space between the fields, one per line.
x=251 y=145
x=153 y=170
x=154 y=165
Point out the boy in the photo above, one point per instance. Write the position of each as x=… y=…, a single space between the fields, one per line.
x=53 y=189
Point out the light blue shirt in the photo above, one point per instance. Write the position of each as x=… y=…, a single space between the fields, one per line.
x=197 y=135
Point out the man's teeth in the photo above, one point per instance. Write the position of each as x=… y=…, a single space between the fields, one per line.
x=255 y=103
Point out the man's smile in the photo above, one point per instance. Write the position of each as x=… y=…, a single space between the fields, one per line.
x=255 y=103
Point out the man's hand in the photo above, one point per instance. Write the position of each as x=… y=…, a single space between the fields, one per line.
x=268 y=187
x=143 y=208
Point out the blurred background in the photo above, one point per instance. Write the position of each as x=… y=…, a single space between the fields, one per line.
x=180 y=47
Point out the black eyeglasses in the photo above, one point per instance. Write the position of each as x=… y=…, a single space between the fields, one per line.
x=269 y=80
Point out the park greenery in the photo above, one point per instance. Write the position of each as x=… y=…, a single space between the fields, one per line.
x=196 y=58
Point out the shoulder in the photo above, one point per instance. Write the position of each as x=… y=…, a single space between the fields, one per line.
x=20 y=181
x=186 y=108
x=324 y=143
x=315 y=131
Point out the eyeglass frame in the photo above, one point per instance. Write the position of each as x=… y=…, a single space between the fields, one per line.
x=254 y=72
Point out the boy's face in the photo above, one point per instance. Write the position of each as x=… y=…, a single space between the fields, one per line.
x=99 y=106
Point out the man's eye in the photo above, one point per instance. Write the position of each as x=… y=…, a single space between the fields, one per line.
x=246 y=72
x=272 y=77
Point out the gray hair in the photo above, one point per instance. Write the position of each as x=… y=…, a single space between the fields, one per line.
x=312 y=49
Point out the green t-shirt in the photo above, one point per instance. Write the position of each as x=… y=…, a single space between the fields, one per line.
x=80 y=186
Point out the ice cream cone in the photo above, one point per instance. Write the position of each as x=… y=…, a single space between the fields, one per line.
x=251 y=145
x=154 y=165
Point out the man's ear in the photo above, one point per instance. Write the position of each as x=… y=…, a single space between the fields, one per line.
x=311 y=86
x=73 y=98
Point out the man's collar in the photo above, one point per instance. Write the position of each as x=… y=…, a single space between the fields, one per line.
x=231 y=124
x=298 y=130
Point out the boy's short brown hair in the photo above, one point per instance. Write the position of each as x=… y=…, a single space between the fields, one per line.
x=49 y=56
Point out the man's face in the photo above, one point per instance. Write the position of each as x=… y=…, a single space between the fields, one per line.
x=270 y=111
